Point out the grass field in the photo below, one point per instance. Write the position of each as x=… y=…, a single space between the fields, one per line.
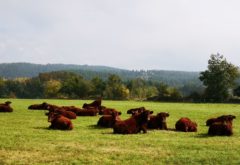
x=26 y=139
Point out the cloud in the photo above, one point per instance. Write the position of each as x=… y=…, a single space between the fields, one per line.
x=155 y=34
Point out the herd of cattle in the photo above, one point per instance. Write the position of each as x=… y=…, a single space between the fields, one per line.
x=141 y=119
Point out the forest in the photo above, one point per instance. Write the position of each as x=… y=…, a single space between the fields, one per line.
x=63 y=84
x=220 y=83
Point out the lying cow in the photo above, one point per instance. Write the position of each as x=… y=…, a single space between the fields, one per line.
x=6 y=103
x=109 y=120
x=220 y=119
x=221 y=129
x=136 y=110
x=62 y=111
x=134 y=124
x=186 y=125
x=5 y=107
x=96 y=104
x=42 y=106
x=58 y=121
x=107 y=111
x=87 y=112
x=222 y=126
x=72 y=109
x=158 y=121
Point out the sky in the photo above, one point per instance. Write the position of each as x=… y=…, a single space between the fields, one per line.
x=127 y=34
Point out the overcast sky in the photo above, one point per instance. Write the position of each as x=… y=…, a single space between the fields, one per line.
x=130 y=34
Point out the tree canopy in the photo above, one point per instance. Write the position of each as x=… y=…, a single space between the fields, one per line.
x=219 y=78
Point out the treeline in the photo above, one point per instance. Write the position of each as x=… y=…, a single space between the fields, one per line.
x=62 y=84
x=172 y=78
x=219 y=83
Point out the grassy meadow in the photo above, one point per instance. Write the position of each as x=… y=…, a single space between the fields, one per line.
x=26 y=139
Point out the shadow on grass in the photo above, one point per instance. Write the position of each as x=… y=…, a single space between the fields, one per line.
x=171 y=129
x=109 y=133
x=202 y=135
x=94 y=126
x=101 y=128
x=50 y=129
x=42 y=128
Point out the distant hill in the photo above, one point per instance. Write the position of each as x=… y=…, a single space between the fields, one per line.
x=174 y=78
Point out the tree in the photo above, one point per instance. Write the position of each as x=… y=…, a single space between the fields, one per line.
x=2 y=87
x=236 y=91
x=166 y=93
x=174 y=93
x=15 y=88
x=115 y=89
x=51 y=88
x=219 y=78
x=137 y=88
x=34 y=88
x=163 y=91
x=98 y=87
x=76 y=87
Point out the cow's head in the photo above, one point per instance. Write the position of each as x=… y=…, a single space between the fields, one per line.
x=162 y=116
x=8 y=102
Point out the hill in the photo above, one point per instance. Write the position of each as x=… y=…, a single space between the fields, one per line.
x=174 y=78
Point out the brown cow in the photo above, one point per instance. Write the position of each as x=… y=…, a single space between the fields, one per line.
x=222 y=126
x=72 y=109
x=220 y=119
x=6 y=103
x=42 y=106
x=211 y=121
x=136 y=110
x=107 y=111
x=134 y=124
x=109 y=120
x=62 y=111
x=97 y=103
x=58 y=121
x=186 y=125
x=5 y=107
x=88 y=112
x=221 y=129
x=158 y=121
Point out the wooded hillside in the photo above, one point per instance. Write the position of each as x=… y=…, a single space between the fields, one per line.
x=173 y=78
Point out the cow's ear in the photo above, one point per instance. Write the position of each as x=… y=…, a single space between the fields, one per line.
x=151 y=112
x=119 y=113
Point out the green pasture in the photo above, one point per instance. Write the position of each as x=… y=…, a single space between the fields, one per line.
x=26 y=139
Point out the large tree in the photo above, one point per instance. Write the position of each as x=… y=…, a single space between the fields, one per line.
x=98 y=87
x=76 y=87
x=219 y=78
x=115 y=89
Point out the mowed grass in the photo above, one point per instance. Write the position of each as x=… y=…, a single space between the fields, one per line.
x=26 y=139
